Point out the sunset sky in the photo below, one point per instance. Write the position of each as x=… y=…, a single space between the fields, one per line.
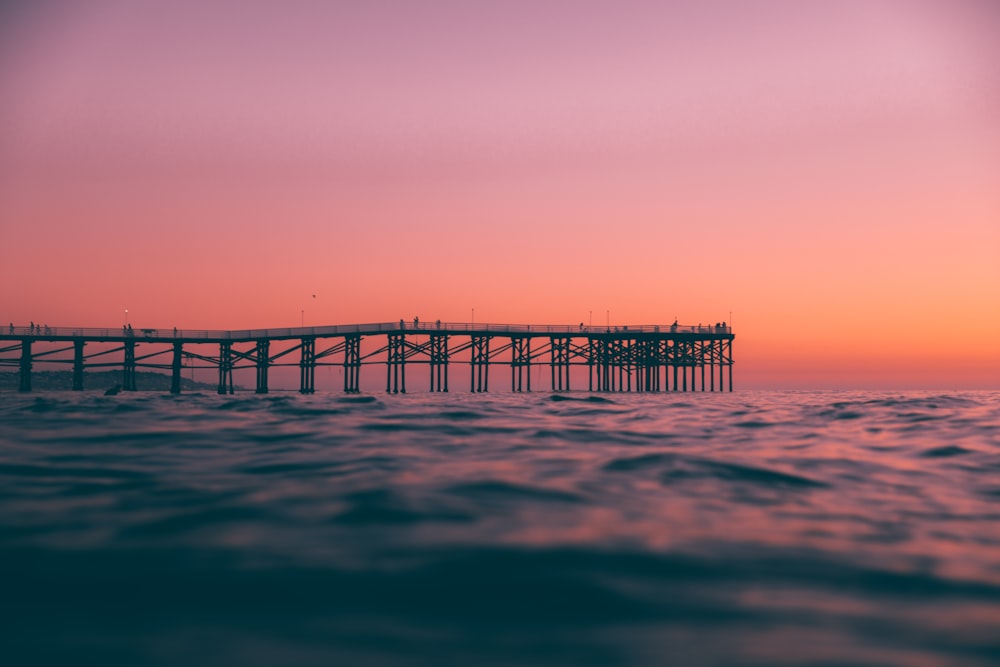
x=826 y=172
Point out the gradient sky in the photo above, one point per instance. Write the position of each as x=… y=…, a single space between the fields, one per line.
x=827 y=172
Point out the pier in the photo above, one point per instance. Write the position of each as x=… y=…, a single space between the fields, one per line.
x=643 y=358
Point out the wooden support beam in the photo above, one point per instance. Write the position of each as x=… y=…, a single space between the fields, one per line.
x=78 y=344
x=352 y=364
x=729 y=363
x=701 y=363
x=590 y=363
x=307 y=366
x=395 y=381
x=627 y=364
x=225 y=367
x=479 y=364
x=712 y=355
x=520 y=363
x=128 y=368
x=263 y=359
x=439 y=362
x=721 y=364
x=560 y=355
x=175 y=375
x=24 y=375
x=607 y=380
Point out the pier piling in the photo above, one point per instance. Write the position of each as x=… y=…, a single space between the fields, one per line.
x=307 y=366
x=24 y=379
x=78 y=364
x=175 y=368
x=128 y=367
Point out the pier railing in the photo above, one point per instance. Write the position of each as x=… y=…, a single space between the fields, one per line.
x=403 y=326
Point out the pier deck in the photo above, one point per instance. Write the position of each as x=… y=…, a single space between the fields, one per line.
x=645 y=358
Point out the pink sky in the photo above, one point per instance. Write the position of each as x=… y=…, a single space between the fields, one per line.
x=827 y=172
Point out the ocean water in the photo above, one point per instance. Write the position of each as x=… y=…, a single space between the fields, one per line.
x=752 y=528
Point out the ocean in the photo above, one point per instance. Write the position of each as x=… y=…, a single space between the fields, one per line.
x=751 y=528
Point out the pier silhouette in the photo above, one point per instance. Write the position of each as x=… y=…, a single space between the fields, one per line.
x=643 y=358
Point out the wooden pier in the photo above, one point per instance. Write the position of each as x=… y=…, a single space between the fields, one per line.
x=646 y=358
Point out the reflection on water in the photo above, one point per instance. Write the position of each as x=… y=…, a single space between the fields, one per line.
x=750 y=528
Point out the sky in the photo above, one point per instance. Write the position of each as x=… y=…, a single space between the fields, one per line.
x=823 y=176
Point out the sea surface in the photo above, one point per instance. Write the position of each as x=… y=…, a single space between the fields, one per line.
x=752 y=528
